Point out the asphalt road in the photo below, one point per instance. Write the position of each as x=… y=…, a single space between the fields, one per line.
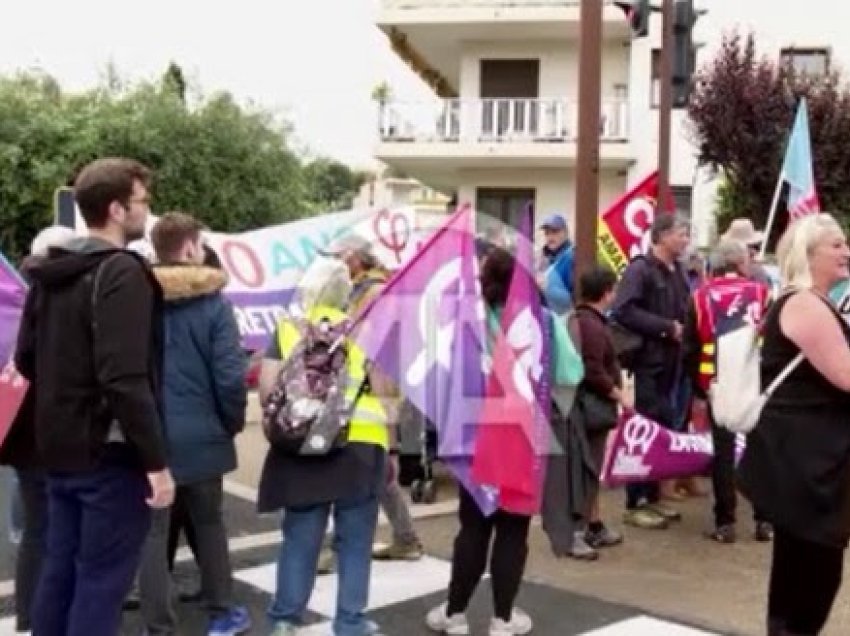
x=401 y=592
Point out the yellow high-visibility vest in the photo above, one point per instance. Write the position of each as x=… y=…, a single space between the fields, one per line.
x=368 y=423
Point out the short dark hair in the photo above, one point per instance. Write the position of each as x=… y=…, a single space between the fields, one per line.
x=496 y=275
x=595 y=283
x=211 y=258
x=104 y=181
x=170 y=233
x=663 y=223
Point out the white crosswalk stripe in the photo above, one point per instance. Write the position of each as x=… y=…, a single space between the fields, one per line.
x=391 y=582
x=647 y=626
x=394 y=583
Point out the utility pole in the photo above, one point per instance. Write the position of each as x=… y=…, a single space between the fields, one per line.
x=589 y=118
x=665 y=106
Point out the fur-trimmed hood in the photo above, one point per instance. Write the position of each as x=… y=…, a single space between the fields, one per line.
x=186 y=282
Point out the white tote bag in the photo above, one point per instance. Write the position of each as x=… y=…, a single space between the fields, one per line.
x=735 y=394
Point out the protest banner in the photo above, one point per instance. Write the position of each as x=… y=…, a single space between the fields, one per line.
x=264 y=265
x=642 y=450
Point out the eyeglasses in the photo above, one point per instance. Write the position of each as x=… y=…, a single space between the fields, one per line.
x=145 y=201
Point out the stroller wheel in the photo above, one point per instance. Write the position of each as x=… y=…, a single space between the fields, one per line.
x=417 y=491
x=429 y=492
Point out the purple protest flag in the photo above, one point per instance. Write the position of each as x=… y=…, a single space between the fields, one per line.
x=514 y=434
x=13 y=292
x=426 y=332
x=642 y=450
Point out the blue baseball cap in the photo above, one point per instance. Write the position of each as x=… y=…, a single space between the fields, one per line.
x=554 y=222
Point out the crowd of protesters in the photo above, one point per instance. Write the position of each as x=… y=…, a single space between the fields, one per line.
x=137 y=395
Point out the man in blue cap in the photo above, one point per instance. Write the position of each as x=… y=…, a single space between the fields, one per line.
x=555 y=266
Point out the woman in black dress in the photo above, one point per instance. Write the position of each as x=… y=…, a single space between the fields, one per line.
x=797 y=464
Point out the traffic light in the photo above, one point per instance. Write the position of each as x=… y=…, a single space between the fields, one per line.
x=637 y=13
x=64 y=207
x=684 y=52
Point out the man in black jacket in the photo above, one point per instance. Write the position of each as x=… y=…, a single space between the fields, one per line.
x=90 y=344
x=652 y=301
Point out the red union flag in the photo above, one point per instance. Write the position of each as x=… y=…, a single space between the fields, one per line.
x=623 y=229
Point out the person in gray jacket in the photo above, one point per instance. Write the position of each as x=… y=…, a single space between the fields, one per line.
x=204 y=403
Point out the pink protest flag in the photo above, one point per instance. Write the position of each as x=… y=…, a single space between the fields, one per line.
x=13 y=389
x=513 y=431
x=426 y=332
x=13 y=292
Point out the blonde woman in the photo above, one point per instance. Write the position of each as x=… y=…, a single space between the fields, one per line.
x=796 y=468
x=311 y=488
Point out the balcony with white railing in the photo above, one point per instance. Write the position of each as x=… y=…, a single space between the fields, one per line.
x=489 y=121
x=466 y=4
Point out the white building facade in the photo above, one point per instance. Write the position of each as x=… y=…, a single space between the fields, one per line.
x=502 y=127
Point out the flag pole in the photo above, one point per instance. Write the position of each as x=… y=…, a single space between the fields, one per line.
x=770 y=217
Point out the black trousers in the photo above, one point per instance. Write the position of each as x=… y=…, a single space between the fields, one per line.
x=723 y=476
x=181 y=522
x=804 y=580
x=472 y=545
x=653 y=399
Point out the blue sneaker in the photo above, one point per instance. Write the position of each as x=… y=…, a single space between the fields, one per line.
x=236 y=621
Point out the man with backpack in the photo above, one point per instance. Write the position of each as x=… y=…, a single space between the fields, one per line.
x=651 y=303
x=90 y=345
x=204 y=409
x=725 y=302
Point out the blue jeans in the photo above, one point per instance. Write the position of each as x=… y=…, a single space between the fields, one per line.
x=33 y=494
x=303 y=532
x=98 y=523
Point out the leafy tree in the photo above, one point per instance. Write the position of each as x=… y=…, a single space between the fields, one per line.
x=331 y=185
x=36 y=139
x=741 y=112
x=228 y=164
x=174 y=81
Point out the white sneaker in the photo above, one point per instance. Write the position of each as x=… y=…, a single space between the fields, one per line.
x=520 y=624
x=439 y=621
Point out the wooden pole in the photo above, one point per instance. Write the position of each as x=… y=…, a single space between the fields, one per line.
x=589 y=119
x=665 y=106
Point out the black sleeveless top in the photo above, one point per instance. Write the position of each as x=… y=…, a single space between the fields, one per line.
x=796 y=468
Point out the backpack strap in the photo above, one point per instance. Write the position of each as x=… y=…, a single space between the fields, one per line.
x=574 y=329
x=783 y=375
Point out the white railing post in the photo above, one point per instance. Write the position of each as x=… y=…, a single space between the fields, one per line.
x=624 y=120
